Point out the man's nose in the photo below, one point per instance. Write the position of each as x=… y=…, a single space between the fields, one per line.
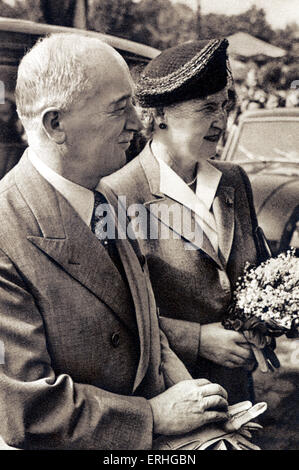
x=133 y=122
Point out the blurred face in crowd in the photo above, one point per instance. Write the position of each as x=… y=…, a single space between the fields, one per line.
x=260 y=96
x=194 y=127
x=252 y=105
x=251 y=78
x=99 y=127
x=292 y=99
x=272 y=102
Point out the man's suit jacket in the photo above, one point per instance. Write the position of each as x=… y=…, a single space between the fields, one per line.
x=82 y=347
x=192 y=287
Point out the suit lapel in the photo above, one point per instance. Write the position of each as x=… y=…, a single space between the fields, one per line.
x=67 y=240
x=188 y=229
x=139 y=293
x=223 y=208
x=130 y=256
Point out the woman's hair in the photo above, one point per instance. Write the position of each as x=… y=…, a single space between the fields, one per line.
x=148 y=120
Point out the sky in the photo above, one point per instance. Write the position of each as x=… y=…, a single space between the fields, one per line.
x=278 y=12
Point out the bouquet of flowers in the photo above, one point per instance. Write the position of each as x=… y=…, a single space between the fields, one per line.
x=265 y=305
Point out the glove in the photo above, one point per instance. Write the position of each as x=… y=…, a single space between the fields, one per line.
x=233 y=435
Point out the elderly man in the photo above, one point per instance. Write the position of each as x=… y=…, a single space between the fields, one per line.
x=85 y=365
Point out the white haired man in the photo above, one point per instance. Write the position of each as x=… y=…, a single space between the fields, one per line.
x=85 y=364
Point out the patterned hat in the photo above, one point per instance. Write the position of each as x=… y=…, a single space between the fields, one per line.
x=190 y=70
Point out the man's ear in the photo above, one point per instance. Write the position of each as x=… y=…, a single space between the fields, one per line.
x=53 y=126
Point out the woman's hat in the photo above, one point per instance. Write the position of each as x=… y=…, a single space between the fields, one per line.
x=190 y=70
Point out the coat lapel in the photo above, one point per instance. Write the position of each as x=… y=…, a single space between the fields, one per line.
x=67 y=240
x=139 y=293
x=188 y=229
x=223 y=208
x=131 y=258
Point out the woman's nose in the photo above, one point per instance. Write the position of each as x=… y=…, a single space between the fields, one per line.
x=220 y=118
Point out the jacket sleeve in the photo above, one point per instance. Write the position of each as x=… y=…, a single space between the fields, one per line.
x=42 y=410
x=174 y=369
x=183 y=337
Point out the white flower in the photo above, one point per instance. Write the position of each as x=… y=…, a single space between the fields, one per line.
x=271 y=290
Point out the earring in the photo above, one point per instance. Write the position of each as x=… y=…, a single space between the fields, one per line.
x=162 y=125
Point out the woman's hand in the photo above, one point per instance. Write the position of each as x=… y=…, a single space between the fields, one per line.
x=225 y=347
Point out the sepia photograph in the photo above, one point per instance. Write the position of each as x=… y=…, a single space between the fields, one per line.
x=149 y=228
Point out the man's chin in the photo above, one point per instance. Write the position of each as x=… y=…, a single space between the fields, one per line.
x=125 y=145
x=117 y=166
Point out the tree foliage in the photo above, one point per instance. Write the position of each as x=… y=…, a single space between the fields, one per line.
x=26 y=10
x=161 y=23
x=285 y=37
x=112 y=17
x=158 y=23
x=271 y=74
x=252 y=21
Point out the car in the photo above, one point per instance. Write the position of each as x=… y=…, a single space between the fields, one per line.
x=266 y=144
x=17 y=37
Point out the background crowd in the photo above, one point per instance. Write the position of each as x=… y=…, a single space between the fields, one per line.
x=267 y=87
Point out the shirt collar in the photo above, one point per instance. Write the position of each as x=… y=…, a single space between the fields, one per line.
x=208 y=178
x=80 y=198
x=172 y=185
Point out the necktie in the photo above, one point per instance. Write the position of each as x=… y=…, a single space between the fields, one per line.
x=100 y=216
x=103 y=226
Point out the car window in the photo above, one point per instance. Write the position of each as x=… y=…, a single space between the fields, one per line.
x=268 y=140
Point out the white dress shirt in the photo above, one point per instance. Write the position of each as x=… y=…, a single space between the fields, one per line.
x=200 y=201
x=81 y=199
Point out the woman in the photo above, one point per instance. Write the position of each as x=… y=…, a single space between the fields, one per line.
x=184 y=93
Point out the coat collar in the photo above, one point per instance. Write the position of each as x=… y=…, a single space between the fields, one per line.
x=68 y=240
x=152 y=171
x=223 y=209
x=80 y=198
